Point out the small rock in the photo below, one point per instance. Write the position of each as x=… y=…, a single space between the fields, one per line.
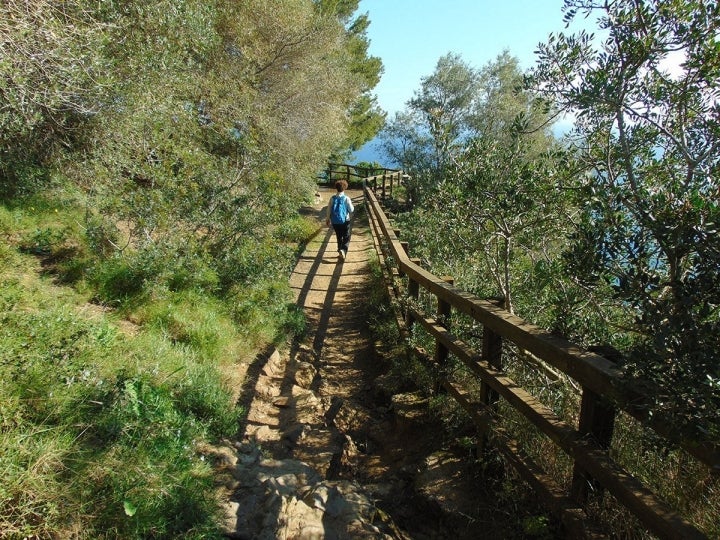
x=305 y=375
x=281 y=402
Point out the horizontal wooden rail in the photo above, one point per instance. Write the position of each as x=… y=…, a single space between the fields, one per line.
x=597 y=375
x=589 y=369
x=346 y=171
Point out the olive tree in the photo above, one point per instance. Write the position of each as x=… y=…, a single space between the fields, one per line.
x=502 y=202
x=53 y=77
x=427 y=136
x=644 y=94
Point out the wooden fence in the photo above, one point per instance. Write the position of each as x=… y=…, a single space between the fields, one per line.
x=601 y=383
x=381 y=177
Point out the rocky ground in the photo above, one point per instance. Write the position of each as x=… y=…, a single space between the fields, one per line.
x=327 y=451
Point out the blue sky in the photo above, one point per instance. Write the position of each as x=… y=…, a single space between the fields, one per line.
x=411 y=35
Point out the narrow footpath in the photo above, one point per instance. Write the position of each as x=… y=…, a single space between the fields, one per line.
x=323 y=454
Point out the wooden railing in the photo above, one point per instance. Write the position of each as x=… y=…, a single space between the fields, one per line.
x=601 y=383
x=380 y=177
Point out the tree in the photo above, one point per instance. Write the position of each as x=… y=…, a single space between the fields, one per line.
x=404 y=143
x=181 y=117
x=425 y=138
x=506 y=107
x=501 y=201
x=53 y=77
x=444 y=101
x=645 y=97
x=248 y=101
x=366 y=116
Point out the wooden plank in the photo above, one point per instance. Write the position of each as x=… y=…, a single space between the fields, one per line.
x=551 y=494
x=597 y=420
x=659 y=517
x=480 y=414
x=591 y=370
x=573 y=518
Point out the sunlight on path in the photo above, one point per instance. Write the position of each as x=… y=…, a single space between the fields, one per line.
x=333 y=293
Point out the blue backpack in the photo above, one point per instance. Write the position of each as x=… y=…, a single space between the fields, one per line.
x=338 y=210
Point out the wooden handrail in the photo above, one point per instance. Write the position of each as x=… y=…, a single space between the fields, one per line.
x=597 y=375
x=348 y=171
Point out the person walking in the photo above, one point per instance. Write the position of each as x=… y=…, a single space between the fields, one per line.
x=339 y=211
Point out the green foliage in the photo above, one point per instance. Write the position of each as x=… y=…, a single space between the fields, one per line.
x=202 y=397
x=105 y=441
x=405 y=142
x=297 y=230
x=160 y=481
x=53 y=74
x=113 y=420
x=537 y=527
x=154 y=156
x=190 y=319
x=121 y=277
x=117 y=280
x=366 y=118
x=444 y=101
x=506 y=207
x=41 y=241
x=264 y=307
x=498 y=214
x=428 y=135
x=646 y=134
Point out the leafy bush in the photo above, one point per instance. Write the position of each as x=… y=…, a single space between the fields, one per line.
x=190 y=319
x=118 y=279
x=297 y=229
x=263 y=308
x=124 y=276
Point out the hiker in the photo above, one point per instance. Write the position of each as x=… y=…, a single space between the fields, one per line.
x=339 y=211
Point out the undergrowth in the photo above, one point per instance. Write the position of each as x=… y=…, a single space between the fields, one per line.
x=671 y=473
x=115 y=370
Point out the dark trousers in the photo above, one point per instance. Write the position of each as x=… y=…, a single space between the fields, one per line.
x=342 y=233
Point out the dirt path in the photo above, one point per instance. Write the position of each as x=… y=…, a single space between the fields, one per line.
x=323 y=453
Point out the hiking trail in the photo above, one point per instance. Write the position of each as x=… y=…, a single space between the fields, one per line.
x=325 y=452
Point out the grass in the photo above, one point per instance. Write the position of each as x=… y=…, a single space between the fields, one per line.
x=112 y=378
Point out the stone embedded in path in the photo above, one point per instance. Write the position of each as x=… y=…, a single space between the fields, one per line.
x=274 y=365
x=287 y=499
x=305 y=375
x=410 y=410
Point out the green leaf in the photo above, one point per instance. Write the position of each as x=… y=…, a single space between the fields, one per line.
x=129 y=508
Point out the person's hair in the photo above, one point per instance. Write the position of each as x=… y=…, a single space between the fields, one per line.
x=341 y=185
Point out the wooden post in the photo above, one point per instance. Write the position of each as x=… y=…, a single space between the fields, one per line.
x=406 y=248
x=492 y=354
x=444 y=310
x=413 y=294
x=597 y=422
x=383 y=186
x=392 y=177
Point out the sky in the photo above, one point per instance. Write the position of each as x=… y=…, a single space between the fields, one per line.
x=409 y=36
